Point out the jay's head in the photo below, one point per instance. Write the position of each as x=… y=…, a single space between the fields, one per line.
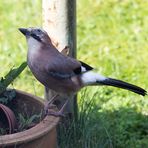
x=37 y=34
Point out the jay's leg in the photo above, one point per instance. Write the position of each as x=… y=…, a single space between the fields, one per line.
x=59 y=113
x=49 y=105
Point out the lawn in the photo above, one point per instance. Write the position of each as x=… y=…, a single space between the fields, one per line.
x=112 y=36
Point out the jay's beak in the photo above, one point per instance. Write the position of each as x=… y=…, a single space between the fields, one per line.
x=24 y=31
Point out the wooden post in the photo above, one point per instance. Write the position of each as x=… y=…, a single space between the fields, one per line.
x=59 y=20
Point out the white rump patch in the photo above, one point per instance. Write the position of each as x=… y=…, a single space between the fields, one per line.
x=91 y=77
x=83 y=69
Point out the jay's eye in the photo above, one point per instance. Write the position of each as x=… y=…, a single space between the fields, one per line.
x=38 y=30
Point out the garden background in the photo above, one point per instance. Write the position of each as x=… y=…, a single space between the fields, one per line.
x=112 y=36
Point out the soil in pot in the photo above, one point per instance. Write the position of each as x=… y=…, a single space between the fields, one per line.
x=14 y=118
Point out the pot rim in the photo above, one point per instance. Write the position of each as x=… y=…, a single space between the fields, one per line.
x=42 y=128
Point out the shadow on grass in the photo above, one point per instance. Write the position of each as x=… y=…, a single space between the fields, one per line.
x=105 y=129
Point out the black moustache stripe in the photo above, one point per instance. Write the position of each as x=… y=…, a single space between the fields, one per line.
x=36 y=37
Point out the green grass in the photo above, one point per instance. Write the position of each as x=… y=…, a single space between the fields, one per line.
x=13 y=49
x=111 y=36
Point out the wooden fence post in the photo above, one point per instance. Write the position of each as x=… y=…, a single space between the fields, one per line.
x=59 y=20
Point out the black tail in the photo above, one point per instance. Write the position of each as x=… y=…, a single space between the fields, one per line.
x=124 y=85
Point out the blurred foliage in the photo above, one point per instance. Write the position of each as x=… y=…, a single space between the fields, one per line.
x=13 y=15
x=11 y=76
x=7 y=95
x=111 y=36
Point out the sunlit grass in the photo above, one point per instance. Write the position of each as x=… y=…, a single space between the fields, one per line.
x=13 y=15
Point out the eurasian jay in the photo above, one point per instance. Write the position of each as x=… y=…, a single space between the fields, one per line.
x=61 y=73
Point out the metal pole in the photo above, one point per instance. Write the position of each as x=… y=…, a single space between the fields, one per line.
x=59 y=20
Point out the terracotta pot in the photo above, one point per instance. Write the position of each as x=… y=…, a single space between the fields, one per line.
x=43 y=135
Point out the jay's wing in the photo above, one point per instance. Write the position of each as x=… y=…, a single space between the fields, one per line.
x=65 y=67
